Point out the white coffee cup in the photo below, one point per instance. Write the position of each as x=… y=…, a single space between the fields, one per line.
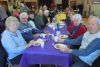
x=43 y=35
x=42 y=45
x=55 y=38
x=58 y=33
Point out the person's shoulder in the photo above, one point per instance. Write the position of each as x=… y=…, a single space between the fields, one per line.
x=5 y=32
x=83 y=27
x=86 y=33
x=30 y=21
x=18 y=31
x=29 y=25
x=98 y=34
x=21 y=26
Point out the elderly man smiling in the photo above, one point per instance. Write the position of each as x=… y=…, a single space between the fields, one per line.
x=89 y=49
x=26 y=29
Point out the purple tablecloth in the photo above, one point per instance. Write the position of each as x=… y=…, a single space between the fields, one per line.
x=46 y=55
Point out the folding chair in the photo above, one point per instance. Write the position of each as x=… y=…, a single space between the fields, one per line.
x=9 y=63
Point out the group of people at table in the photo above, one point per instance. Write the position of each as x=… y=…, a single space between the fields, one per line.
x=19 y=35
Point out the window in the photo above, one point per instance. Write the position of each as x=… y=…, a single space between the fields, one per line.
x=96 y=1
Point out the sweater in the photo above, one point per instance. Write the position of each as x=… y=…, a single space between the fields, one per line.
x=14 y=45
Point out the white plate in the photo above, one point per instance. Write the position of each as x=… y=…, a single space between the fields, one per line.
x=62 y=24
x=57 y=46
x=36 y=45
x=38 y=42
x=63 y=36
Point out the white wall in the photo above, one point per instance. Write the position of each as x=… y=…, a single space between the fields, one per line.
x=96 y=9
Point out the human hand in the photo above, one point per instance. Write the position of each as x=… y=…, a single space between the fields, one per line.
x=65 y=49
x=39 y=41
x=61 y=40
x=68 y=33
x=30 y=43
x=36 y=35
x=47 y=32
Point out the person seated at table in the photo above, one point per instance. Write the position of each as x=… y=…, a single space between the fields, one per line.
x=44 y=7
x=12 y=40
x=39 y=22
x=89 y=49
x=45 y=17
x=24 y=7
x=70 y=24
x=15 y=11
x=79 y=28
x=68 y=12
x=75 y=28
x=31 y=19
x=26 y=29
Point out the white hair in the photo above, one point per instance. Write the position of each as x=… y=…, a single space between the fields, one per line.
x=23 y=14
x=97 y=19
x=77 y=17
x=46 y=12
x=11 y=20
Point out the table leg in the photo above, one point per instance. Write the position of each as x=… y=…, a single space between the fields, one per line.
x=40 y=65
x=56 y=65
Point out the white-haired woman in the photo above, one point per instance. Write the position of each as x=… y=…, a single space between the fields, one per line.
x=13 y=41
x=79 y=28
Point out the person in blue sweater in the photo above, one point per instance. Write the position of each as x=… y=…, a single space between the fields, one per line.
x=12 y=40
x=26 y=29
x=89 y=49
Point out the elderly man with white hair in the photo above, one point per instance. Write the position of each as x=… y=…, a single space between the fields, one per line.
x=89 y=49
x=26 y=29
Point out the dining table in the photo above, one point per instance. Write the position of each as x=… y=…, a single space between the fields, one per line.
x=47 y=54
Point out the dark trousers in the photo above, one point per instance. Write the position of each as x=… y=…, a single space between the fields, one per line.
x=3 y=58
x=16 y=60
x=78 y=62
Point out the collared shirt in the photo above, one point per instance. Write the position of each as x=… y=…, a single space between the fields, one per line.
x=88 y=38
x=13 y=44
